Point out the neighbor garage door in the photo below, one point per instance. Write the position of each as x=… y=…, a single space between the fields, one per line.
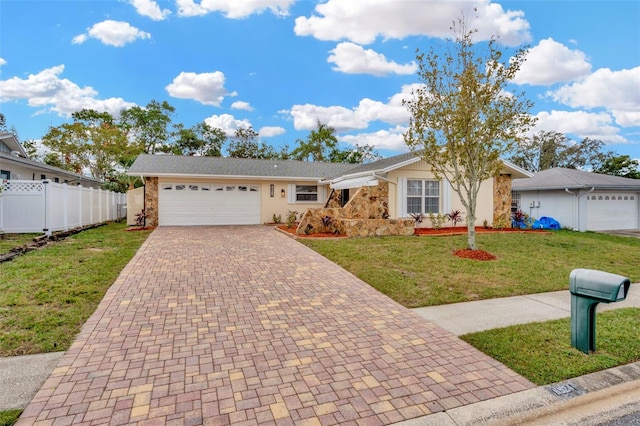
x=612 y=210
x=208 y=204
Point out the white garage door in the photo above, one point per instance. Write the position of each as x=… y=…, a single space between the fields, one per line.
x=208 y=204
x=612 y=210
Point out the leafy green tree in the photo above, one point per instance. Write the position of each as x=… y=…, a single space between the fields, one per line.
x=462 y=118
x=246 y=143
x=201 y=139
x=359 y=155
x=318 y=145
x=548 y=149
x=148 y=127
x=620 y=165
x=92 y=141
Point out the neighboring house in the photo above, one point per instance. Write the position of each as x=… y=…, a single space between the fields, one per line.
x=16 y=165
x=580 y=200
x=228 y=191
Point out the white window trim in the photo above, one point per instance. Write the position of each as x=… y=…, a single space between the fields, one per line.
x=322 y=193
x=445 y=196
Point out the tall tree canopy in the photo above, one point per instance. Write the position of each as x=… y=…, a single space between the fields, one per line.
x=322 y=145
x=201 y=139
x=548 y=149
x=246 y=143
x=92 y=141
x=318 y=145
x=620 y=165
x=462 y=118
x=148 y=127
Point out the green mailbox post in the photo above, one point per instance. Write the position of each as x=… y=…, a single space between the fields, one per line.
x=588 y=288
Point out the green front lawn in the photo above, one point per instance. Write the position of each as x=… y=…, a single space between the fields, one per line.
x=421 y=271
x=542 y=352
x=48 y=294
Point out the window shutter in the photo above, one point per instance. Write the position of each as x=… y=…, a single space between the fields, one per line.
x=446 y=196
x=292 y=193
x=401 y=202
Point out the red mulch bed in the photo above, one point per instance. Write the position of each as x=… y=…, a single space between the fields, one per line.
x=474 y=254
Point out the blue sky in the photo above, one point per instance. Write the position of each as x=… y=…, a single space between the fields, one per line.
x=282 y=65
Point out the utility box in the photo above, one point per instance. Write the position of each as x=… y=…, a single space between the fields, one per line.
x=588 y=288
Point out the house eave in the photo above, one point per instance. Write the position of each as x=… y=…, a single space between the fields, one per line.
x=41 y=166
x=580 y=187
x=226 y=177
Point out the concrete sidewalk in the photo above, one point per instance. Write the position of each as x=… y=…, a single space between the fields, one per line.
x=470 y=317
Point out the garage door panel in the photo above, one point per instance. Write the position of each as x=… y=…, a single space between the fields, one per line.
x=607 y=211
x=218 y=204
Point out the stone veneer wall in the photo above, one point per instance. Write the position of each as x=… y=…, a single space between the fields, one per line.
x=364 y=215
x=502 y=200
x=151 y=200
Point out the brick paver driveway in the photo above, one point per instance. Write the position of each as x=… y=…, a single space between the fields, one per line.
x=243 y=325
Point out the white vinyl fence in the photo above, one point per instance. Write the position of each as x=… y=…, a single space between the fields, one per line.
x=44 y=206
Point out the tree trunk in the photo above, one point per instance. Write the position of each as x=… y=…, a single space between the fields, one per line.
x=471 y=232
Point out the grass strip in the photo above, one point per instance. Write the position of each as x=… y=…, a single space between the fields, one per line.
x=542 y=352
x=422 y=271
x=48 y=294
x=9 y=417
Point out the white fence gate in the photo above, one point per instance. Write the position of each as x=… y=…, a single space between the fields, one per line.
x=44 y=206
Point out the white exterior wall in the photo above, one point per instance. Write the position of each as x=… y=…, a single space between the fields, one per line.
x=449 y=199
x=559 y=205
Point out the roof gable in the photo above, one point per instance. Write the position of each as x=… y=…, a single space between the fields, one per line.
x=561 y=178
x=12 y=143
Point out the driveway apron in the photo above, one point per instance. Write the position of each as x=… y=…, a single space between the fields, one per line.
x=243 y=325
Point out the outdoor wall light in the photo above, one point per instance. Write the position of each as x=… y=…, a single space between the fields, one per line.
x=271 y=187
x=282 y=192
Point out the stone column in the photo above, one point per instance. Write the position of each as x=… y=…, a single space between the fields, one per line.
x=502 y=200
x=151 y=200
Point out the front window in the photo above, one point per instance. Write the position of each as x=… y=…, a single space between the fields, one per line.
x=423 y=196
x=515 y=201
x=306 y=193
x=5 y=174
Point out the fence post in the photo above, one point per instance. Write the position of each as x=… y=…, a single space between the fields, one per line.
x=47 y=207
x=65 y=211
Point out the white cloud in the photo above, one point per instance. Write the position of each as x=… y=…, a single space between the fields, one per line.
x=305 y=117
x=206 y=88
x=616 y=91
x=351 y=58
x=270 y=131
x=245 y=106
x=2 y=62
x=227 y=123
x=391 y=139
x=47 y=90
x=580 y=123
x=234 y=9
x=362 y=21
x=551 y=62
x=150 y=9
x=112 y=33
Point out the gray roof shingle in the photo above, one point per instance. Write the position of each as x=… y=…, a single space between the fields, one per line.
x=561 y=178
x=154 y=165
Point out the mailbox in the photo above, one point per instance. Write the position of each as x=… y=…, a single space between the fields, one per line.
x=588 y=288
